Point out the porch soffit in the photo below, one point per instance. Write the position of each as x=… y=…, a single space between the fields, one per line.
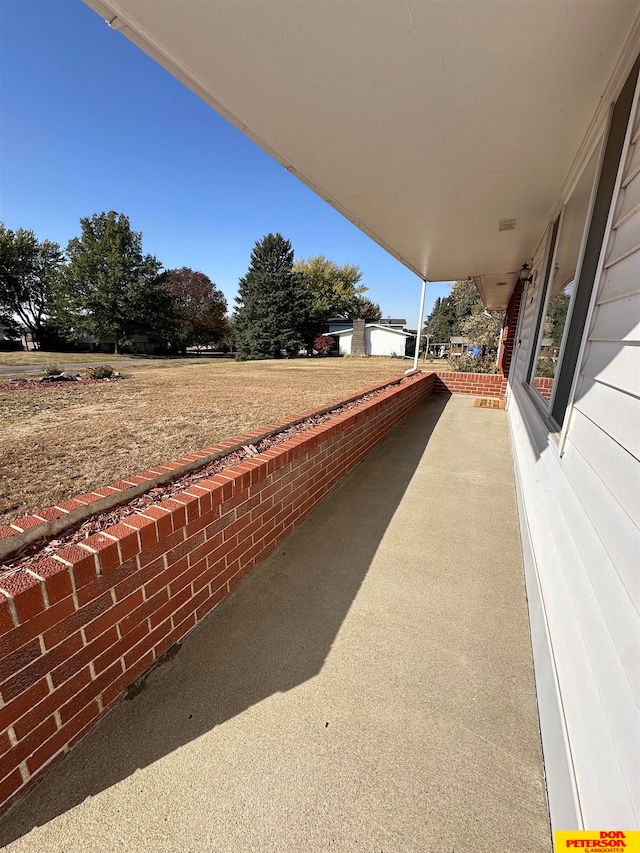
x=424 y=123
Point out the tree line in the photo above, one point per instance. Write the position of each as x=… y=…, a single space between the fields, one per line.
x=462 y=313
x=284 y=304
x=104 y=286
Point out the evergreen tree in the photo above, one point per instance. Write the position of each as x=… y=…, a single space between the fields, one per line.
x=442 y=323
x=110 y=289
x=462 y=313
x=271 y=303
x=364 y=308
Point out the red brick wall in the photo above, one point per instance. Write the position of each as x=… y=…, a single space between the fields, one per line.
x=544 y=385
x=482 y=384
x=77 y=629
x=508 y=339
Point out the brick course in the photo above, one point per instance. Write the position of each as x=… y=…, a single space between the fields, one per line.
x=480 y=384
x=508 y=339
x=78 y=628
x=544 y=385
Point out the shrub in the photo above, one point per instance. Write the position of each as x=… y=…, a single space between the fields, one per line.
x=473 y=364
x=52 y=370
x=102 y=371
x=546 y=367
x=323 y=344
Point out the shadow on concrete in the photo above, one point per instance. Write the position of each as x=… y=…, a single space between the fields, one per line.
x=271 y=635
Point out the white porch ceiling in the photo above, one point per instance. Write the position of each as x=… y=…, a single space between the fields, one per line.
x=424 y=123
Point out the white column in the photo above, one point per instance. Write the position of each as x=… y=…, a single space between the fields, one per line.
x=419 y=329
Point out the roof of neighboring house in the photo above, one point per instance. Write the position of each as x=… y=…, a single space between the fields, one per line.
x=384 y=321
x=459 y=340
x=375 y=326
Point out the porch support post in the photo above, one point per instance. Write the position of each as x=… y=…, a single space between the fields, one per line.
x=419 y=329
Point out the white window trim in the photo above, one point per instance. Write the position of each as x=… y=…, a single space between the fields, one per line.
x=547 y=406
x=601 y=260
x=601 y=141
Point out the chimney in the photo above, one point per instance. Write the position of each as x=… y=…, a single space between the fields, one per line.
x=358 y=341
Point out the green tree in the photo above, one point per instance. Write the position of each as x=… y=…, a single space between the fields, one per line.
x=331 y=291
x=363 y=308
x=462 y=313
x=556 y=317
x=272 y=302
x=199 y=309
x=29 y=271
x=483 y=330
x=110 y=289
x=442 y=323
x=465 y=299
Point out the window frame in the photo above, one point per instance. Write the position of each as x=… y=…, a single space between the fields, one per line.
x=555 y=234
x=633 y=80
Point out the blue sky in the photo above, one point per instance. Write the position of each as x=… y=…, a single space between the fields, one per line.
x=90 y=123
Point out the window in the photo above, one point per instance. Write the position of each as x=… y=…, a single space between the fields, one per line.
x=565 y=255
x=604 y=195
x=573 y=252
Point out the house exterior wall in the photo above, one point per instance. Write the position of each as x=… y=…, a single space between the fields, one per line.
x=344 y=344
x=382 y=342
x=580 y=520
x=377 y=342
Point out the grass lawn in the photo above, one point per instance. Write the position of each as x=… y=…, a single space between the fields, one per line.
x=60 y=442
x=41 y=357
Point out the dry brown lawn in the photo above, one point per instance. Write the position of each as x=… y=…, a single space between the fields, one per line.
x=59 y=442
x=37 y=357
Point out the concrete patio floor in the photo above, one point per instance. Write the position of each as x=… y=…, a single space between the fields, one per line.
x=368 y=688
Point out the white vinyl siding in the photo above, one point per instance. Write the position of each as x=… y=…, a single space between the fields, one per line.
x=344 y=343
x=580 y=512
x=384 y=342
x=377 y=341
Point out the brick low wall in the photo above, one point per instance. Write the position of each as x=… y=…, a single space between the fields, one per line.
x=481 y=384
x=77 y=629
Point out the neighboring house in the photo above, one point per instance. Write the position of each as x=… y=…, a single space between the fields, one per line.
x=468 y=139
x=139 y=344
x=378 y=340
x=336 y=324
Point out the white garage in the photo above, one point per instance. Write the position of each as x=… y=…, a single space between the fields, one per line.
x=378 y=340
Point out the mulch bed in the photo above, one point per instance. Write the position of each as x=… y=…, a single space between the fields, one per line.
x=31 y=554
